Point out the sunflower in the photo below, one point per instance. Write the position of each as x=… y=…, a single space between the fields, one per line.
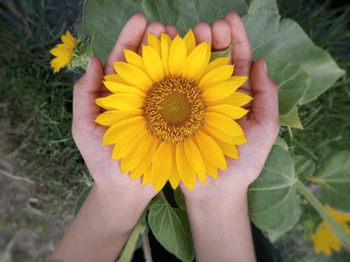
x=172 y=115
x=324 y=240
x=63 y=52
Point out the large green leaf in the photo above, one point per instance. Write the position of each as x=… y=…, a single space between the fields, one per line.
x=285 y=40
x=272 y=199
x=281 y=142
x=292 y=119
x=334 y=178
x=180 y=198
x=292 y=80
x=257 y=5
x=304 y=167
x=171 y=229
x=81 y=200
x=194 y=11
x=165 y=11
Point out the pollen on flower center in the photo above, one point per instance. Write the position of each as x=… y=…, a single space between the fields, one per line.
x=174 y=109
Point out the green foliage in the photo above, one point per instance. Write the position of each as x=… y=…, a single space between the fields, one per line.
x=272 y=200
x=225 y=53
x=335 y=181
x=304 y=167
x=171 y=228
x=81 y=200
x=167 y=12
x=180 y=198
x=292 y=119
x=257 y=5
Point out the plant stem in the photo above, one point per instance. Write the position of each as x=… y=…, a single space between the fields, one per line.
x=336 y=228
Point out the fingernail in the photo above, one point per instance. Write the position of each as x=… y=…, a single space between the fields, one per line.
x=89 y=64
x=265 y=67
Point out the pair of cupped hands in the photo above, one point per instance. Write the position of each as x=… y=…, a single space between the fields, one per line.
x=260 y=125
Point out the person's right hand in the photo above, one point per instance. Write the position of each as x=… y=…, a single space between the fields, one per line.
x=260 y=125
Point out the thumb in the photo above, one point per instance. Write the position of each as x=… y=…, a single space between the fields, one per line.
x=85 y=92
x=265 y=103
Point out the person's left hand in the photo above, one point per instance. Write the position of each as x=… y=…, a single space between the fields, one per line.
x=87 y=134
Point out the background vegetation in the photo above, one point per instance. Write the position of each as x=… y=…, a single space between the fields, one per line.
x=36 y=105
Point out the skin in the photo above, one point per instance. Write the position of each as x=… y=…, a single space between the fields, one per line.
x=218 y=211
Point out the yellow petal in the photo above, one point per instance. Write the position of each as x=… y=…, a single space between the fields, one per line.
x=133 y=75
x=154 y=42
x=153 y=63
x=115 y=78
x=216 y=76
x=134 y=157
x=234 y=112
x=211 y=150
x=195 y=61
x=194 y=157
x=121 y=88
x=165 y=47
x=205 y=64
x=68 y=42
x=134 y=59
x=221 y=61
x=71 y=38
x=177 y=56
x=210 y=169
x=236 y=140
x=235 y=99
x=186 y=173
x=223 y=123
x=220 y=134
x=122 y=129
x=228 y=149
x=62 y=53
x=161 y=168
x=110 y=118
x=190 y=41
x=147 y=176
x=122 y=101
x=174 y=177
x=225 y=89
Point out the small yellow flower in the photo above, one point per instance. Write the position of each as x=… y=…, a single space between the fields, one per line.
x=324 y=239
x=63 y=52
x=172 y=115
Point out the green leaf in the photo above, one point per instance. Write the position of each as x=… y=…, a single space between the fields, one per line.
x=292 y=80
x=304 y=167
x=334 y=179
x=292 y=119
x=81 y=200
x=105 y=19
x=170 y=230
x=165 y=11
x=285 y=40
x=193 y=12
x=281 y=142
x=271 y=197
x=225 y=53
x=180 y=198
x=257 y=5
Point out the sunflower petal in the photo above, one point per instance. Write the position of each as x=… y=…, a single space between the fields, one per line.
x=205 y=64
x=223 y=123
x=134 y=59
x=220 y=134
x=235 y=99
x=154 y=42
x=211 y=150
x=174 y=177
x=235 y=140
x=115 y=78
x=121 y=88
x=110 y=118
x=210 y=169
x=190 y=41
x=161 y=168
x=177 y=56
x=121 y=101
x=195 y=61
x=216 y=76
x=165 y=47
x=153 y=63
x=147 y=176
x=68 y=42
x=186 y=173
x=194 y=157
x=234 y=112
x=222 y=90
x=133 y=75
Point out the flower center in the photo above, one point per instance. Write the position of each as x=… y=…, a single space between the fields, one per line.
x=174 y=109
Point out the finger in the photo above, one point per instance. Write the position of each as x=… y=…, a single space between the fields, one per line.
x=221 y=35
x=202 y=33
x=155 y=28
x=85 y=91
x=129 y=38
x=171 y=31
x=265 y=103
x=242 y=55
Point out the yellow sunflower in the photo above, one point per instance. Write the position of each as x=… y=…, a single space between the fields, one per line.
x=324 y=240
x=63 y=52
x=172 y=115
